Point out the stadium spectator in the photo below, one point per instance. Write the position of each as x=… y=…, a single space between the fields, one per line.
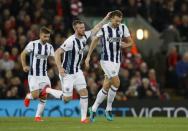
x=172 y=59
x=154 y=83
x=3 y=88
x=6 y=63
x=132 y=89
x=144 y=70
x=145 y=90
x=170 y=34
x=183 y=28
x=182 y=73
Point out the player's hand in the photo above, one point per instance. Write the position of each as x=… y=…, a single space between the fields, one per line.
x=26 y=68
x=87 y=62
x=125 y=45
x=62 y=71
x=108 y=15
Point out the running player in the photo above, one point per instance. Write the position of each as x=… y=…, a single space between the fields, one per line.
x=112 y=36
x=39 y=51
x=70 y=73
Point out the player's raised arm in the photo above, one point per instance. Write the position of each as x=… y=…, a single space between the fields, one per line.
x=91 y=48
x=97 y=27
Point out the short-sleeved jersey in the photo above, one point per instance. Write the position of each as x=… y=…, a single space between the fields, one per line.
x=110 y=38
x=38 y=57
x=73 y=55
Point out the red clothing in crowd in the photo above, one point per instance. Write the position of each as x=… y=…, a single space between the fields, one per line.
x=173 y=59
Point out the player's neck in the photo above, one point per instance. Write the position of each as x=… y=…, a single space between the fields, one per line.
x=78 y=36
x=43 y=43
x=111 y=25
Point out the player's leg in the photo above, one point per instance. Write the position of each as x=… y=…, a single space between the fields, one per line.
x=40 y=108
x=83 y=104
x=44 y=82
x=67 y=87
x=115 y=83
x=34 y=90
x=30 y=96
x=80 y=85
x=102 y=94
x=56 y=93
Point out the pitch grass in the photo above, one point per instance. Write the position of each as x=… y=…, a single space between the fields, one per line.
x=101 y=124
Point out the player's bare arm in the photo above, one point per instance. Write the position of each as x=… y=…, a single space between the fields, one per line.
x=23 y=61
x=126 y=42
x=58 y=54
x=93 y=45
x=97 y=27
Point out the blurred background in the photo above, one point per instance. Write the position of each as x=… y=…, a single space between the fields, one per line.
x=156 y=67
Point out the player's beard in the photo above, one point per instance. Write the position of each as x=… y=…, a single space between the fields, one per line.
x=81 y=33
x=116 y=25
x=44 y=41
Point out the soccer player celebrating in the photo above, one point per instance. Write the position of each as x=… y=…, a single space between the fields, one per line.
x=112 y=36
x=39 y=51
x=69 y=70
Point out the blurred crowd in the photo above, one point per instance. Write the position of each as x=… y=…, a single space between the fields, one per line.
x=21 y=19
x=159 y=13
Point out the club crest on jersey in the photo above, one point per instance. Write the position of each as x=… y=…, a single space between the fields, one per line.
x=113 y=39
x=120 y=32
x=80 y=51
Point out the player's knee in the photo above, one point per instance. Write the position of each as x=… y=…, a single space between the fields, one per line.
x=35 y=95
x=115 y=82
x=106 y=88
x=83 y=92
x=44 y=97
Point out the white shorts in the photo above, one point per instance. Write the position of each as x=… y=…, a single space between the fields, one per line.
x=38 y=82
x=70 y=81
x=111 y=69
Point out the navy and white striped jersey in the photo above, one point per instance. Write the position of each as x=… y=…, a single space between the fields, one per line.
x=110 y=38
x=73 y=55
x=38 y=57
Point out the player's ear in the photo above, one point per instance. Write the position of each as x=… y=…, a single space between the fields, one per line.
x=74 y=27
x=40 y=34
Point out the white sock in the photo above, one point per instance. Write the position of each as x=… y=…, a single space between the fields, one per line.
x=40 y=108
x=111 y=95
x=29 y=96
x=100 y=98
x=56 y=93
x=83 y=107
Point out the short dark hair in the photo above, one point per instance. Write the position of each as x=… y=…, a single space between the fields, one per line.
x=75 y=22
x=116 y=13
x=45 y=30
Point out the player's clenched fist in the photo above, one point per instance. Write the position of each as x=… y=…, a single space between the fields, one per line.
x=26 y=68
